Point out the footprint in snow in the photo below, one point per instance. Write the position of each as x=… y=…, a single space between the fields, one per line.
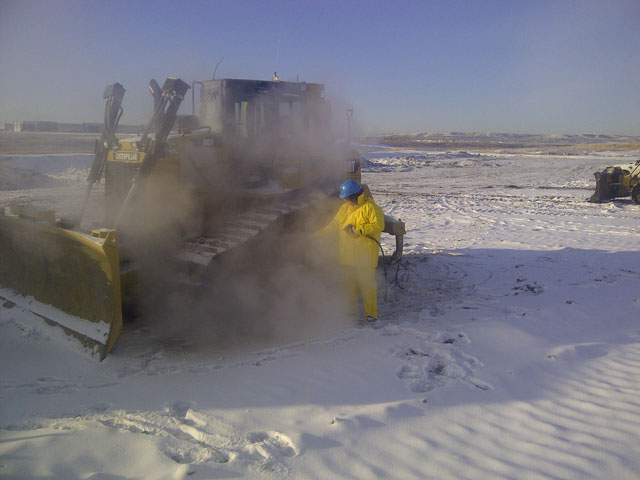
x=438 y=362
x=451 y=339
x=273 y=441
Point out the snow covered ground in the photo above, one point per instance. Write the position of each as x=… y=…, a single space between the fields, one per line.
x=510 y=349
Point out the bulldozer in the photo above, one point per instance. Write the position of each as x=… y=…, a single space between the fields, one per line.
x=618 y=181
x=256 y=154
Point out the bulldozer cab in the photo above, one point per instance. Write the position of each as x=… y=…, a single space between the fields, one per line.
x=259 y=134
x=262 y=113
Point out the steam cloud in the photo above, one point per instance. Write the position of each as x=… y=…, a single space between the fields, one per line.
x=283 y=285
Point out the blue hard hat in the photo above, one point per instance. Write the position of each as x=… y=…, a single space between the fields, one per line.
x=348 y=188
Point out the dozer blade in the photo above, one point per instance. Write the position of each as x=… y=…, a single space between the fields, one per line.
x=67 y=278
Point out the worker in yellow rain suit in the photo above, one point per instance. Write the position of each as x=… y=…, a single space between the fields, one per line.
x=359 y=223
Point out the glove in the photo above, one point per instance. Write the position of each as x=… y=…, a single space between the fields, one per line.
x=351 y=230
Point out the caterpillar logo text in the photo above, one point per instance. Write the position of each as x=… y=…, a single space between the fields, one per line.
x=126 y=156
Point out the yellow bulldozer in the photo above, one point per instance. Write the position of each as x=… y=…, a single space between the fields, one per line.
x=255 y=154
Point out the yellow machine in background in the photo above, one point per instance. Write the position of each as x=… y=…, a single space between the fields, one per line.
x=257 y=153
x=618 y=181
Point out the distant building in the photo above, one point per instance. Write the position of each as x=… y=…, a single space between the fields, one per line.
x=80 y=127
x=44 y=126
x=92 y=127
x=35 y=126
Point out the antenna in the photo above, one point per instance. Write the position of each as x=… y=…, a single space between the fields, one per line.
x=216 y=69
x=275 y=70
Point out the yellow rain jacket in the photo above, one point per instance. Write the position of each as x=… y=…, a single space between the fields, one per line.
x=368 y=220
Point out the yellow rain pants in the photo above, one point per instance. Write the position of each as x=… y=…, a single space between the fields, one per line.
x=362 y=281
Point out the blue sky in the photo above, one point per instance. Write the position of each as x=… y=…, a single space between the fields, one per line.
x=508 y=66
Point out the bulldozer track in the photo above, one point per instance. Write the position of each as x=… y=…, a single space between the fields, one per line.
x=200 y=252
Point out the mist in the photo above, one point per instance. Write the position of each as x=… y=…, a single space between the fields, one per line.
x=281 y=285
